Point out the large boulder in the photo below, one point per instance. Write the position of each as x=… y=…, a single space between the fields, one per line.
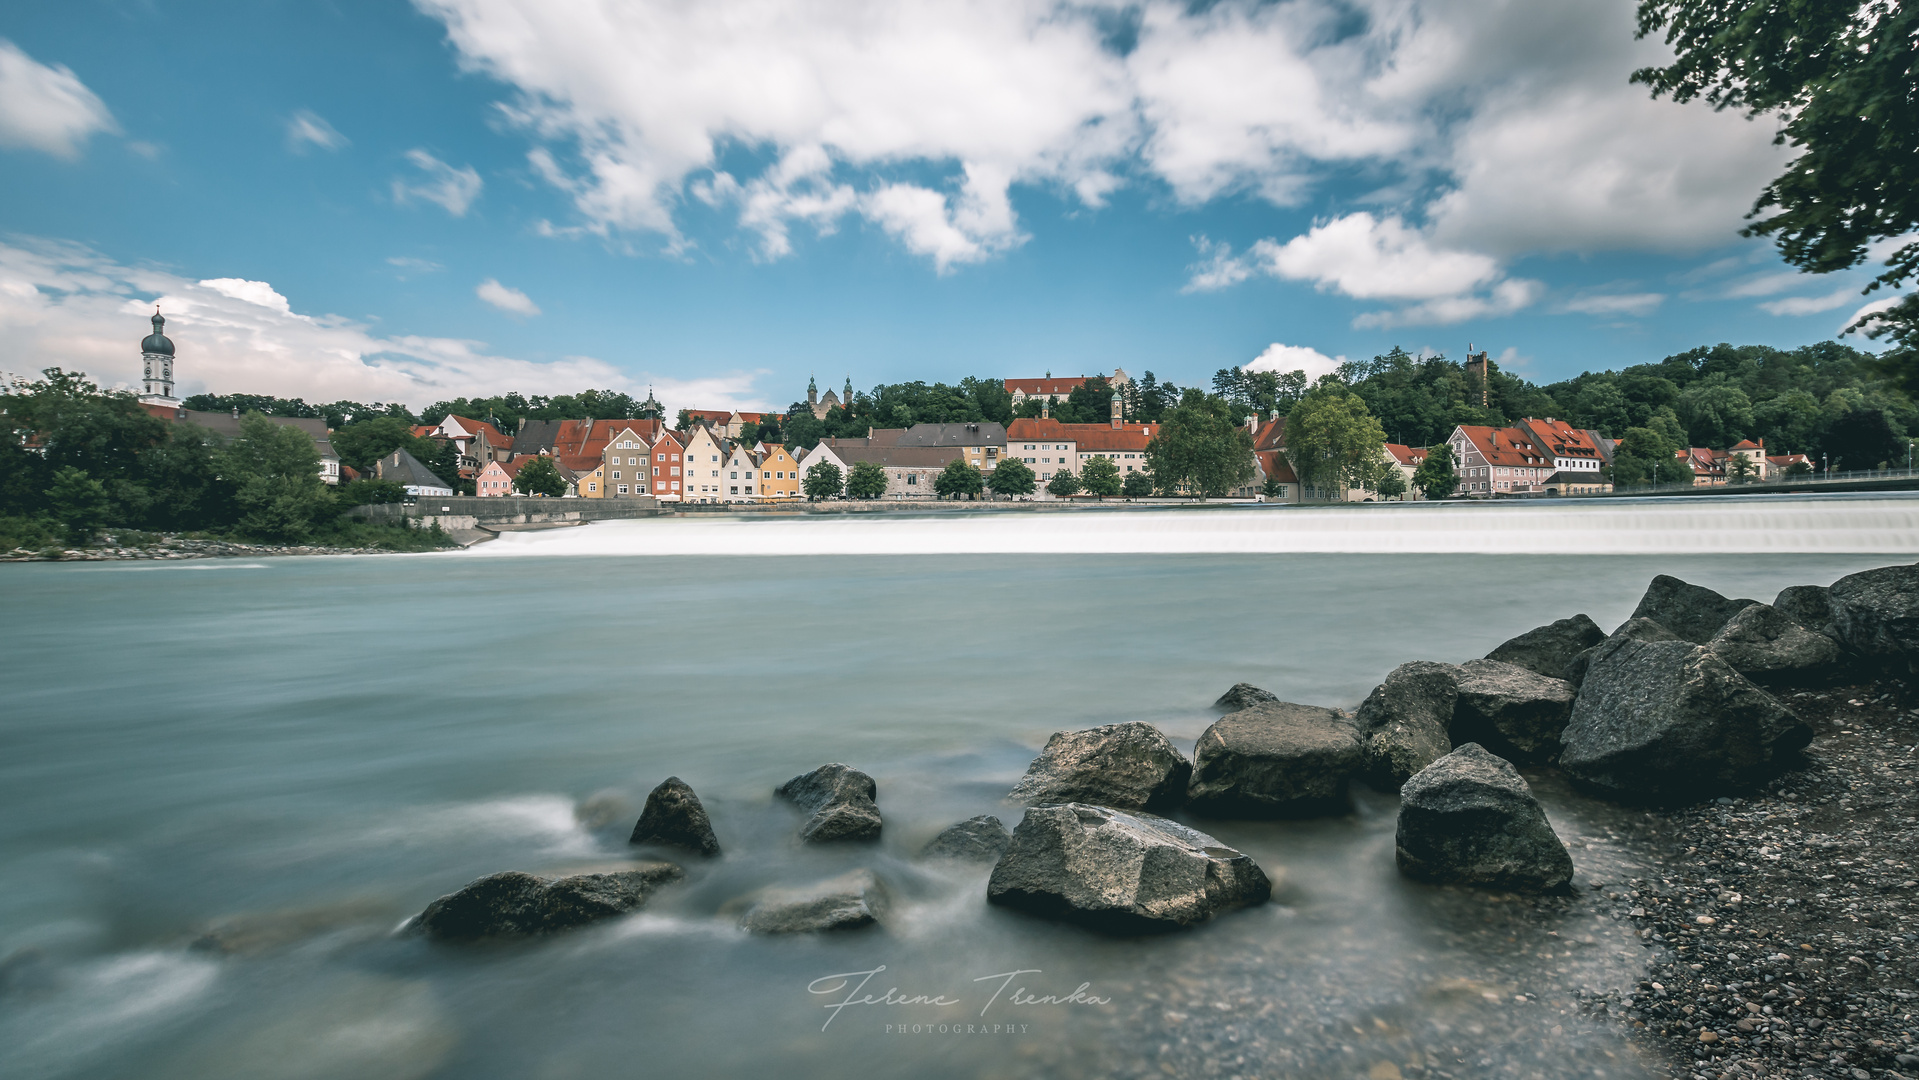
x=1244 y=696
x=841 y=800
x=1131 y=766
x=1765 y=646
x=1808 y=605
x=515 y=903
x=1546 y=650
x=979 y=839
x=847 y=902
x=1876 y=613
x=673 y=817
x=1670 y=720
x=1470 y=819
x=1511 y=708
x=1404 y=722
x=1119 y=872
x=1634 y=629
x=1693 y=612
x=1273 y=760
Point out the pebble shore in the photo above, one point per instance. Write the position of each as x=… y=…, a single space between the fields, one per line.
x=179 y=548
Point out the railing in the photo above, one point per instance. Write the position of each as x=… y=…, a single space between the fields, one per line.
x=1813 y=478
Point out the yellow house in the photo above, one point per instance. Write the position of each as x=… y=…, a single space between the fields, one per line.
x=779 y=473
x=591 y=485
x=704 y=462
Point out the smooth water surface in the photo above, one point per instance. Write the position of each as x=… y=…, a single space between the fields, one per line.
x=296 y=754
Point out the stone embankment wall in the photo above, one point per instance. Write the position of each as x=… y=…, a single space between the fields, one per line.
x=464 y=512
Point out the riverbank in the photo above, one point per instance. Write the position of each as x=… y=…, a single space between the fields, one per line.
x=112 y=548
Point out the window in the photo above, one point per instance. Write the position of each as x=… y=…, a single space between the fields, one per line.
x=736 y=489
x=676 y=485
x=592 y=487
x=675 y=457
x=676 y=470
x=912 y=478
x=736 y=474
x=749 y=489
x=622 y=489
x=616 y=474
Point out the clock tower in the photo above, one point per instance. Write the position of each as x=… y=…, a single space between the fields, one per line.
x=156 y=352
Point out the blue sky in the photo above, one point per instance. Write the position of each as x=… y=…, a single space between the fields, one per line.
x=389 y=200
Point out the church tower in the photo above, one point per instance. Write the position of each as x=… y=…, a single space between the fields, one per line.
x=156 y=352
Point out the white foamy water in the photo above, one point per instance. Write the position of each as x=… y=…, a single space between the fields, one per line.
x=1877 y=524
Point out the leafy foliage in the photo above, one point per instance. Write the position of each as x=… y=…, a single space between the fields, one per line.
x=1063 y=484
x=865 y=480
x=959 y=480
x=540 y=477
x=1011 y=477
x=822 y=481
x=1100 y=477
x=1437 y=477
x=1137 y=485
x=1333 y=441
x=1199 y=450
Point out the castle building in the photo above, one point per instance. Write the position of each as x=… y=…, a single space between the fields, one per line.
x=156 y=352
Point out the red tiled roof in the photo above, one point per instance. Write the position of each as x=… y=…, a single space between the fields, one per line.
x=1406 y=455
x=1048 y=386
x=1271 y=434
x=1087 y=436
x=1748 y=444
x=1558 y=439
x=1275 y=466
x=1505 y=446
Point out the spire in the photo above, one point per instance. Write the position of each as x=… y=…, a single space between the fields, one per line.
x=848 y=399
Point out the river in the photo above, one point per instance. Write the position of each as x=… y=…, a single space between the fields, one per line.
x=283 y=758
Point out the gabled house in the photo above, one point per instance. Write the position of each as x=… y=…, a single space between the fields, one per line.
x=1499 y=461
x=668 y=467
x=910 y=470
x=495 y=478
x=1048 y=446
x=627 y=459
x=704 y=458
x=1407 y=460
x=740 y=462
x=404 y=469
x=779 y=472
x=983 y=442
x=1054 y=390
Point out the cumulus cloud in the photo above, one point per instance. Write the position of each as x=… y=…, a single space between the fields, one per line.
x=1287 y=358
x=307 y=128
x=1502 y=299
x=1870 y=308
x=1637 y=305
x=506 y=298
x=66 y=305
x=1810 y=305
x=1503 y=127
x=454 y=189
x=46 y=107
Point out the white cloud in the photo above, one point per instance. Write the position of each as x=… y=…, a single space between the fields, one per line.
x=411 y=265
x=1637 y=305
x=1287 y=358
x=308 y=128
x=1810 y=305
x=1217 y=269
x=454 y=189
x=506 y=298
x=1878 y=305
x=46 y=107
x=1501 y=300
x=66 y=305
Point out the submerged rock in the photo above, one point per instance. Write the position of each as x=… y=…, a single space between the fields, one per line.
x=1693 y=612
x=847 y=902
x=1671 y=720
x=601 y=809
x=1132 y=766
x=1876 y=613
x=516 y=903
x=1275 y=759
x=1404 y=722
x=1471 y=819
x=979 y=839
x=1120 y=872
x=674 y=818
x=1511 y=708
x=1766 y=646
x=1547 y=650
x=1244 y=696
x=842 y=800
x=1808 y=605
x=1634 y=629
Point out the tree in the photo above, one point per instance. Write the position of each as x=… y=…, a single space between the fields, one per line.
x=822 y=481
x=1799 y=468
x=80 y=503
x=1063 y=485
x=1842 y=79
x=866 y=481
x=1138 y=485
x=370 y=493
x=540 y=477
x=683 y=422
x=1863 y=439
x=1011 y=477
x=1740 y=469
x=1272 y=487
x=1333 y=441
x=1100 y=477
x=1199 y=450
x=1648 y=455
x=958 y=480
x=1436 y=477
x=364 y=442
x=1716 y=412
x=276 y=476
x=1391 y=483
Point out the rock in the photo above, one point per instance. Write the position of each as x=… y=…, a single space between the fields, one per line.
x=1243 y=696
x=847 y=902
x=1470 y=819
x=1275 y=759
x=674 y=818
x=1548 y=649
x=1769 y=648
x=841 y=799
x=1635 y=629
x=1120 y=872
x=1808 y=605
x=515 y=903
x=1876 y=613
x=1669 y=719
x=600 y=809
x=1130 y=766
x=1693 y=612
x=1403 y=723
x=980 y=839
x=1511 y=708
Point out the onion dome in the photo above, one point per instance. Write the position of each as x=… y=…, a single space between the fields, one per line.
x=157 y=342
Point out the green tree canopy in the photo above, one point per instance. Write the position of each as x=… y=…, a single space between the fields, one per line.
x=822 y=481
x=1137 y=485
x=1011 y=477
x=1063 y=485
x=276 y=475
x=1100 y=477
x=866 y=480
x=1333 y=441
x=1648 y=455
x=1391 y=483
x=1199 y=450
x=1437 y=477
x=540 y=477
x=958 y=480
